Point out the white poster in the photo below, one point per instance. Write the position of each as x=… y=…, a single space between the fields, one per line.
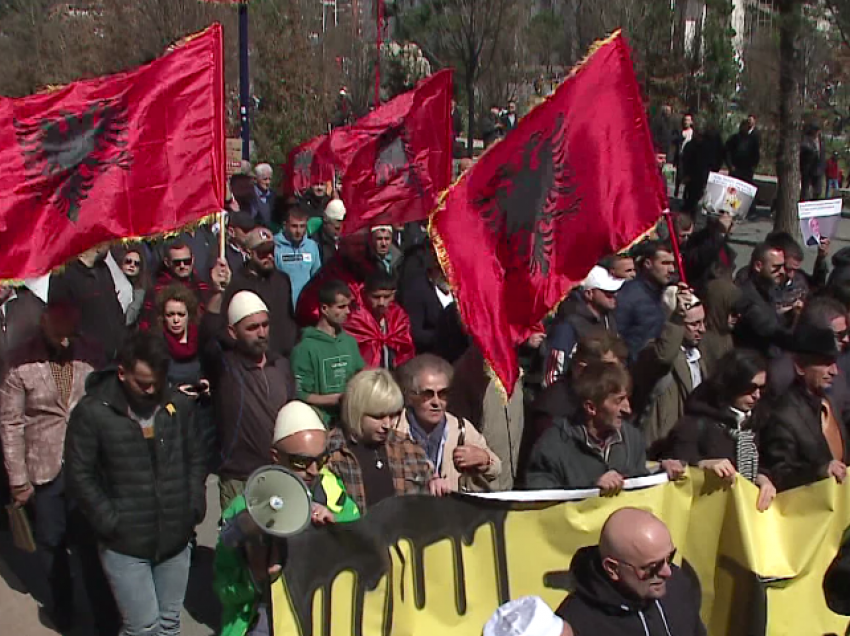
x=818 y=220
x=729 y=195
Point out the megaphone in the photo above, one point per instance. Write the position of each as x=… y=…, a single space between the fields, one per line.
x=278 y=501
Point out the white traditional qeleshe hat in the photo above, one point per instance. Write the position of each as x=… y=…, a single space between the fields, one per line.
x=244 y=304
x=296 y=417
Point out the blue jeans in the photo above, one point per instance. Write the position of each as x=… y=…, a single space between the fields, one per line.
x=149 y=595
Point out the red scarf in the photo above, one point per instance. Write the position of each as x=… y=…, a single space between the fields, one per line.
x=181 y=351
x=371 y=340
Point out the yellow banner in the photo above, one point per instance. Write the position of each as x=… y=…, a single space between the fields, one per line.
x=424 y=566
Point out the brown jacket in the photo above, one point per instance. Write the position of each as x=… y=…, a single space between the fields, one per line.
x=476 y=482
x=662 y=384
x=33 y=417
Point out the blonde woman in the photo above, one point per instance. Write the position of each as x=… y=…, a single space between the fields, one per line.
x=458 y=452
x=372 y=458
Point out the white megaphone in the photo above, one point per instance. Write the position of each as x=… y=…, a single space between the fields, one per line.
x=278 y=501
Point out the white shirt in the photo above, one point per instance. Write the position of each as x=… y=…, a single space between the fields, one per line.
x=445 y=299
x=693 y=355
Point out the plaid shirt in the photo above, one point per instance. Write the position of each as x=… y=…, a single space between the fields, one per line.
x=411 y=471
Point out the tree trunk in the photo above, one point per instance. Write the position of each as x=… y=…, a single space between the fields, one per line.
x=790 y=116
x=470 y=115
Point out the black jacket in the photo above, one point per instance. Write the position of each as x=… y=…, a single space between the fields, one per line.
x=598 y=608
x=142 y=498
x=640 y=313
x=326 y=243
x=759 y=326
x=19 y=322
x=707 y=256
x=578 y=320
x=703 y=431
x=743 y=153
x=422 y=305
x=563 y=458
x=793 y=449
x=93 y=291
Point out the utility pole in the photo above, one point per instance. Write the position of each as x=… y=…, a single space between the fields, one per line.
x=244 y=82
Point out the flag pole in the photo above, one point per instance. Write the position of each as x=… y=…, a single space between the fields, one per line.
x=244 y=81
x=380 y=25
x=222 y=234
x=674 y=241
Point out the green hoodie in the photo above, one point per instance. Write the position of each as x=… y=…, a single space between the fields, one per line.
x=324 y=364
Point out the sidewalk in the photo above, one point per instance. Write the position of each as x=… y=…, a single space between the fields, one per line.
x=22 y=583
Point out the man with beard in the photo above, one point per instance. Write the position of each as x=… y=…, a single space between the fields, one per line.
x=628 y=585
x=136 y=465
x=381 y=328
x=33 y=421
x=249 y=385
x=382 y=252
x=87 y=284
x=260 y=276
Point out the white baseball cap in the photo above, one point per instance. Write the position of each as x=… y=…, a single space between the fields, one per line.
x=599 y=278
x=526 y=616
x=296 y=417
x=244 y=304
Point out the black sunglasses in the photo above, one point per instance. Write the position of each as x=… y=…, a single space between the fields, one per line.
x=430 y=394
x=303 y=462
x=651 y=570
x=130 y=261
x=181 y=261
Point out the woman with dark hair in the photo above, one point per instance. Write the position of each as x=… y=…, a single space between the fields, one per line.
x=716 y=432
x=178 y=312
x=131 y=258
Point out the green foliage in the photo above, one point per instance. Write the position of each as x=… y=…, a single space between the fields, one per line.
x=546 y=35
x=720 y=68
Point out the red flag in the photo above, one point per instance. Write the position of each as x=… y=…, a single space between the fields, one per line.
x=126 y=155
x=308 y=164
x=371 y=338
x=576 y=180
x=397 y=160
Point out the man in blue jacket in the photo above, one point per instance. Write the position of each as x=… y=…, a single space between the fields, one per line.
x=295 y=254
x=640 y=312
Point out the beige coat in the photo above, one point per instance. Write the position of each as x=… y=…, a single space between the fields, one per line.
x=475 y=482
x=33 y=420
x=662 y=383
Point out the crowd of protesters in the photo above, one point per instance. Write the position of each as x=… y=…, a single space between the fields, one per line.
x=344 y=359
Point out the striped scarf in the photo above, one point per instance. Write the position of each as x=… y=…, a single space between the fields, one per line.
x=746 y=452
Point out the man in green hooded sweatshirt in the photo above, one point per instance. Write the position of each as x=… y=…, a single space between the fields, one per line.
x=242 y=575
x=327 y=357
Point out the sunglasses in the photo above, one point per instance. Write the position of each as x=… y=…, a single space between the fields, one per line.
x=303 y=462
x=132 y=261
x=651 y=570
x=430 y=394
x=755 y=387
x=264 y=252
x=181 y=261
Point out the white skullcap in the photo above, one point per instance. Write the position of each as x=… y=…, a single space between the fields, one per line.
x=244 y=304
x=526 y=616
x=296 y=417
x=377 y=228
x=335 y=210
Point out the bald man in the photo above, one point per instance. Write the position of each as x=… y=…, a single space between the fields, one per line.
x=627 y=585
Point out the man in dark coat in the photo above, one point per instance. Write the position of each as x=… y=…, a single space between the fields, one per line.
x=707 y=255
x=136 y=466
x=20 y=313
x=743 y=151
x=640 y=312
x=592 y=307
x=805 y=437
x=665 y=133
x=628 y=585
x=760 y=326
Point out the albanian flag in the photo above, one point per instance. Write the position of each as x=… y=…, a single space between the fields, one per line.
x=308 y=164
x=371 y=339
x=126 y=155
x=397 y=160
x=574 y=181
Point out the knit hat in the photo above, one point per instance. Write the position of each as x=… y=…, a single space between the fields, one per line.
x=296 y=417
x=244 y=304
x=335 y=210
x=526 y=616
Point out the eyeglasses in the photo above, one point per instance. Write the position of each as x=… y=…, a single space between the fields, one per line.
x=132 y=261
x=841 y=335
x=651 y=570
x=181 y=261
x=264 y=252
x=303 y=462
x=430 y=394
x=755 y=387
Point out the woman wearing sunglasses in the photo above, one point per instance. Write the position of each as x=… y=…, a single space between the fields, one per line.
x=717 y=431
x=374 y=459
x=131 y=259
x=454 y=447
